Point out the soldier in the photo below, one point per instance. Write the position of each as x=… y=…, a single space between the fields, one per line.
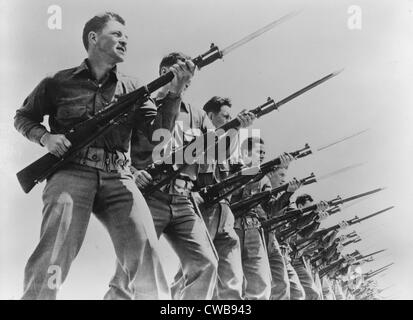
x=257 y=273
x=285 y=282
x=218 y=217
x=97 y=178
x=173 y=209
x=301 y=264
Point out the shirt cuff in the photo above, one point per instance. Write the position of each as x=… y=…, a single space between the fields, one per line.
x=35 y=134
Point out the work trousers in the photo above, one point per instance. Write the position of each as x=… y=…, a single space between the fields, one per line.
x=297 y=291
x=285 y=282
x=280 y=284
x=175 y=217
x=255 y=264
x=220 y=224
x=306 y=279
x=70 y=196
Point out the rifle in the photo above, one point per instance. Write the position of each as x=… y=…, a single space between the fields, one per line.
x=86 y=132
x=351 y=241
x=371 y=274
x=320 y=234
x=294 y=214
x=337 y=263
x=356 y=255
x=327 y=252
x=213 y=193
x=241 y=207
x=305 y=225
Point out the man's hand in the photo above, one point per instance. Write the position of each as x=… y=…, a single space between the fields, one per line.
x=343 y=225
x=142 y=178
x=342 y=238
x=322 y=206
x=349 y=259
x=246 y=118
x=183 y=73
x=293 y=185
x=56 y=144
x=323 y=215
x=285 y=160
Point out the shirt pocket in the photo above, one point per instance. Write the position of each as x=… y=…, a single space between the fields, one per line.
x=68 y=116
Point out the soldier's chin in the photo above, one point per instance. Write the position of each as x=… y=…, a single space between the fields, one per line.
x=120 y=57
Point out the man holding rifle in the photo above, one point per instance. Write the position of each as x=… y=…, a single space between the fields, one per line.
x=285 y=282
x=301 y=265
x=173 y=208
x=98 y=178
x=218 y=216
x=255 y=262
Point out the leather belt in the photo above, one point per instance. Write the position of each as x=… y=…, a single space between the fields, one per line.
x=180 y=186
x=101 y=159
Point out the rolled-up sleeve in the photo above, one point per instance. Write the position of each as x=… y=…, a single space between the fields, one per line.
x=30 y=115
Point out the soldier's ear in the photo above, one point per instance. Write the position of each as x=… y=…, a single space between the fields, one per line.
x=92 y=37
x=164 y=70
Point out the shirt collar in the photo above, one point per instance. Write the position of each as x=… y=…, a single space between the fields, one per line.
x=184 y=107
x=84 y=66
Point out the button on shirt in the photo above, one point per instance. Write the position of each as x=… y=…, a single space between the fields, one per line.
x=73 y=95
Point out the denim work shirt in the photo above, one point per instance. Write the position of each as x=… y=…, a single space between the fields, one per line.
x=73 y=95
x=190 y=123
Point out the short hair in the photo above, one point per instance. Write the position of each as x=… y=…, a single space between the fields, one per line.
x=249 y=142
x=302 y=199
x=170 y=59
x=97 y=23
x=215 y=104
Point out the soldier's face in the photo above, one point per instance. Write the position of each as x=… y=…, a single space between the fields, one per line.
x=305 y=205
x=112 y=42
x=222 y=117
x=278 y=177
x=255 y=156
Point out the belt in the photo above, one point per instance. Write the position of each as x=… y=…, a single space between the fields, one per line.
x=180 y=186
x=101 y=159
x=247 y=222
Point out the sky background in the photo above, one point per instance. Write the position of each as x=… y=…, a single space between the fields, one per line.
x=372 y=93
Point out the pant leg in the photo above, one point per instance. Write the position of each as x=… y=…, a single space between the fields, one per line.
x=338 y=290
x=327 y=289
x=189 y=238
x=212 y=218
x=296 y=289
x=257 y=273
x=178 y=284
x=317 y=280
x=122 y=209
x=311 y=291
x=227 y=244
x=68 y=198
x=280 y=285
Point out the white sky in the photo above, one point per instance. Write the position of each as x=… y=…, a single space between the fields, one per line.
x=371 y=93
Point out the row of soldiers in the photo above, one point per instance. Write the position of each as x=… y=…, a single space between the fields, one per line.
x=227 y=242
